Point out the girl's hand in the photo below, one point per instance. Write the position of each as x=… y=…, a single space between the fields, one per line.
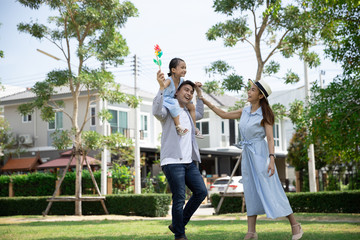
x=161 y=79
x=271 y=168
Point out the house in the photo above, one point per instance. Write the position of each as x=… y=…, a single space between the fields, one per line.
x=21 y=165
x=218 y=155
x=284 y=129
x=34 y=134
x=61 y=162
x=8 y=90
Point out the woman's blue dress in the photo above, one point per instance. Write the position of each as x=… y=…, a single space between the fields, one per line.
x=170 y=102
x=263 y=194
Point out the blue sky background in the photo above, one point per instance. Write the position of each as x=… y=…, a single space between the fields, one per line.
x=179 y=28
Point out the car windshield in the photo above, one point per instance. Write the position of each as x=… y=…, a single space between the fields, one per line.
x=222 y=181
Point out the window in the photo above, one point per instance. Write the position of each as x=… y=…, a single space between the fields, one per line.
x=203 y=127
x=26 y=118
x=144 y=125
x=119 y=122
x=222 y=127
x=57 y=123
x=93 y=116
x=276 y=134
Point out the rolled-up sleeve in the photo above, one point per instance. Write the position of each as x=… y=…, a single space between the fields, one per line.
x=199 y=109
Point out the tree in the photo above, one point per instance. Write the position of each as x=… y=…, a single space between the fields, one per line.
x=339 y=30
x=335 y=114
x=335 y=110
x=8 y=144
x=91 y=27
x=284 y=27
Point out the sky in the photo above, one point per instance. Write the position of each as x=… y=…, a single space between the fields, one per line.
x=179 y=27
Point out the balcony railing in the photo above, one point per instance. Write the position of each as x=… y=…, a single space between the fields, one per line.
x=128 y=132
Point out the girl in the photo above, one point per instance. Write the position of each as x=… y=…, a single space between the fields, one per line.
x=177 y=71
x=262 y=188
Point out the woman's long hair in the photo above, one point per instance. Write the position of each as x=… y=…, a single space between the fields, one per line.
x=268 y=114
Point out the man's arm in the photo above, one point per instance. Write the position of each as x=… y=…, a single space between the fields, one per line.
x=158 y=110
x=199 y=109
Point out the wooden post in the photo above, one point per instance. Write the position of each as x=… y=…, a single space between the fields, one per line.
x=57 y=182
x=325 y=180
x=206 y=199
x=317 y=180
x=11 y=189
x=109 y=185
x=298 y=182
x=243 y=203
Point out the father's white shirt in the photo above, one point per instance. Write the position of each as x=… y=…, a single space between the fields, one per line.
x=184 y=142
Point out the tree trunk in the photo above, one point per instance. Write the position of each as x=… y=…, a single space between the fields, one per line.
x=297 y=181
x=78 y=206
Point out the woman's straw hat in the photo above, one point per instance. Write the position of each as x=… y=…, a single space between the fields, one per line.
x=263 y=87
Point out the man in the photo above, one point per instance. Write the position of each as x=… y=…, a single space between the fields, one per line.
x=179 y=155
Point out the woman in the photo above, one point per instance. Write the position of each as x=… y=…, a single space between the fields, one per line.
x=262 y=188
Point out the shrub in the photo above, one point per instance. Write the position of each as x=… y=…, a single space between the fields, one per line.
x=34 y=184
x=319 y=202
x=149 y=205
x=326 y=202
x=229 y=205
x=333 y=184
x=354 y=181
x=4 y=185
x=43 y=184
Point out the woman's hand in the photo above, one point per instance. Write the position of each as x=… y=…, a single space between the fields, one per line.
x=161 y=79
x=271 y=167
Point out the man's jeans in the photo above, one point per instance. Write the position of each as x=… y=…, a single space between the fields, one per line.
x=179 y=175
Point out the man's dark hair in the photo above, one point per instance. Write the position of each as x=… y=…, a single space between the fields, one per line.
x=187 y=82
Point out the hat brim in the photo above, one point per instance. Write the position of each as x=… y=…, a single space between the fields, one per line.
x=262 y=90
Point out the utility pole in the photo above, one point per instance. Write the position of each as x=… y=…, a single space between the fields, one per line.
x=104 y=153
x=137 y=146
x=311 y=152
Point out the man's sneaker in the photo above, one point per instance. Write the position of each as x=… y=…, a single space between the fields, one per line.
x=172 y=230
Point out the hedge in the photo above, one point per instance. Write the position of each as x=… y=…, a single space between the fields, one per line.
x=319 y=202
x=148 y=205
x=43 y=184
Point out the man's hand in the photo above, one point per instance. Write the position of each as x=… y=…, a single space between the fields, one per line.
x=161 y=79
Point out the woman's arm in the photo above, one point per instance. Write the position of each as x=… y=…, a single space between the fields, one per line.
x=221 y=113
x=270 y=141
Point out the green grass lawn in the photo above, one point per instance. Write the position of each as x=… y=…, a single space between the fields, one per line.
x=157 y=230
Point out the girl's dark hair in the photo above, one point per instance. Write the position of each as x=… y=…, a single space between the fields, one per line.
x=268 y=115
x=174 y=63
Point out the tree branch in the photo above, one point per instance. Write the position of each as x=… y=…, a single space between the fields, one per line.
x=254 y=17
x=277 y=46
x=57 y=107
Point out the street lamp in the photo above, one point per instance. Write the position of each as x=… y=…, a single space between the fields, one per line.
x=48 y=54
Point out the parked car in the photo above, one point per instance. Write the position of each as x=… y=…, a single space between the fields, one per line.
x=219 y=185
x=292 y=188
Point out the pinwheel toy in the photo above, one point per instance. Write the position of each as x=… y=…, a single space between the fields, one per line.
x=158 y=54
